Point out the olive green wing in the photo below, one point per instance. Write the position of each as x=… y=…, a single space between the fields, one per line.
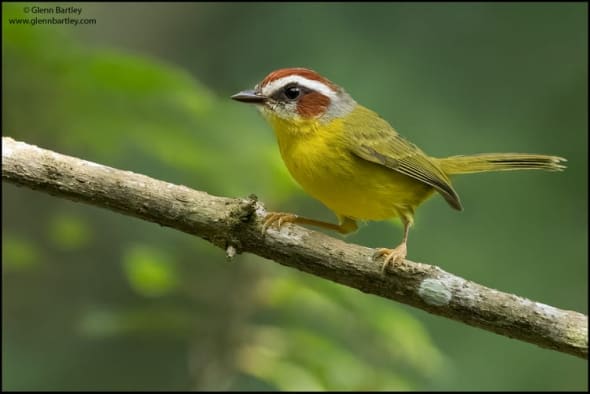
x=376 y=141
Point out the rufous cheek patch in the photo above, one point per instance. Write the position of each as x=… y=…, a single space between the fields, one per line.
x=312 y=104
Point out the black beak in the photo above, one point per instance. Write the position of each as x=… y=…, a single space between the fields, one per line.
x=249 y=96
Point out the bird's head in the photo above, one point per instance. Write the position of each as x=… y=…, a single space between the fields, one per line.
x=297 y=95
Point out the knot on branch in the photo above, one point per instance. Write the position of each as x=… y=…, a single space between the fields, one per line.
x=239 y=216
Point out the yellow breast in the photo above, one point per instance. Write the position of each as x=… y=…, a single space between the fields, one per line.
x=318 y=158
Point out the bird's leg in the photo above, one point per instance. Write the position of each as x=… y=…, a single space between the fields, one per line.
x=399 y=253
x=346 y=225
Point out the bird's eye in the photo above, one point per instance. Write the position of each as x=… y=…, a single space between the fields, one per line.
x=292 y=92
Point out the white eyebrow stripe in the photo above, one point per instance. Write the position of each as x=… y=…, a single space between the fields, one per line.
x=318 y=86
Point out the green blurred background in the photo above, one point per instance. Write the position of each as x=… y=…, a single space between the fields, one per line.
x=96 y=300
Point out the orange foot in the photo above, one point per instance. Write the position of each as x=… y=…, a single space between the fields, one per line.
x=395 y=256
x=279 y=218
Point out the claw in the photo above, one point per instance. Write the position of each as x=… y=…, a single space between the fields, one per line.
x=395 y=256
x=279 y=218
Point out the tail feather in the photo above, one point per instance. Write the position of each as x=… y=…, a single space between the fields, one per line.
x=500 y=162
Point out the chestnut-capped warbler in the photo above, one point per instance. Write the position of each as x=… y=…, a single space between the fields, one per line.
x=354 y=162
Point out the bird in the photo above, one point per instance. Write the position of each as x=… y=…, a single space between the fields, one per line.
x=354 y=162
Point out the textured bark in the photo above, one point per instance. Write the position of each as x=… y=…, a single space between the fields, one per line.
x=235 y=226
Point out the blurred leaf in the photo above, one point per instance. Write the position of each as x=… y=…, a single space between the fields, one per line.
x=267 y=363
x=150 y=272
x=164 y=320
x=319 y=317
x=327 y=365
x=69 y=232
x=130 y=110
x=19 y=253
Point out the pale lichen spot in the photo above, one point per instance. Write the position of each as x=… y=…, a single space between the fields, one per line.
x=434 y=292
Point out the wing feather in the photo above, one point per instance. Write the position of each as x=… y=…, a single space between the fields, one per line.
x=379 y=143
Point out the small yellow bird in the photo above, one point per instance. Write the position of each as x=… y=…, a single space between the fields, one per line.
x=354 y=162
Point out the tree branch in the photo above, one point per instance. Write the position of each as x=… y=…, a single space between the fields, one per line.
x=235 y=226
